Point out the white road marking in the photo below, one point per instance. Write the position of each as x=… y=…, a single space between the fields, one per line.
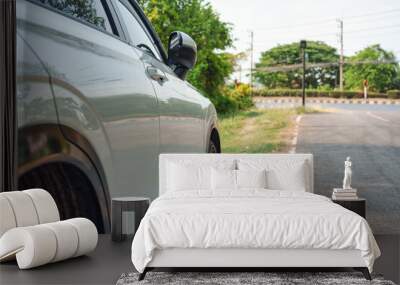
x=377 y=117
x=296 y=133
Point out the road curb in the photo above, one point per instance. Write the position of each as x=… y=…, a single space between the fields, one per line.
x=328 y=101
x=295 y=134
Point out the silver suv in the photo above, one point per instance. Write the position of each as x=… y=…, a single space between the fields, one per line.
x=99 y=99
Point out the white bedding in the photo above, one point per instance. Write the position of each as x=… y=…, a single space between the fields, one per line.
x=250 y=219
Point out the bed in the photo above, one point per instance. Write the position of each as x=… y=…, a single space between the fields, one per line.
x=242 y=211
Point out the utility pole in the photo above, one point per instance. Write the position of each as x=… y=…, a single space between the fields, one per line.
x=251 y=62
x=341 y=61
x=303 y=45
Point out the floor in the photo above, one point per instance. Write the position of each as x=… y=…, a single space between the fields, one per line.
x=110 y=260
x=103 y=266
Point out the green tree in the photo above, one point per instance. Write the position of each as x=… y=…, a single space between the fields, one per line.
x=288 y=54
x=212 y=36
x=397 y=80
x=381 y=77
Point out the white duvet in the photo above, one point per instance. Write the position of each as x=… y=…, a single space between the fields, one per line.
x=250 y=219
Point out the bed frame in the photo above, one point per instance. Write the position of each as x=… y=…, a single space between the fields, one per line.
x=241 y=259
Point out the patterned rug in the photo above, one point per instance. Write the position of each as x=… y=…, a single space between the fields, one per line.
x=243 y=278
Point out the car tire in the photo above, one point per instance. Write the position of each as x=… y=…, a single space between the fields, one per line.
x=69 y=187
x=212 y=147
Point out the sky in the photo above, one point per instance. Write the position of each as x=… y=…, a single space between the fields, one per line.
x=365 y=22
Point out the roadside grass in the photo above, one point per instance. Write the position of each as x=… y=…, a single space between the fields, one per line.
x=306 y=110
x=259 y=131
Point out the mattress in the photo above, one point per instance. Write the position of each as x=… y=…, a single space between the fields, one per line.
x=250 y=219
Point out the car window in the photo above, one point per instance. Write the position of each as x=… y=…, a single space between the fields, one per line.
x=91 y=11
x=136 y=30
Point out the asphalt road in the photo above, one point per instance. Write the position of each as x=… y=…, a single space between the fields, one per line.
x=370 y=134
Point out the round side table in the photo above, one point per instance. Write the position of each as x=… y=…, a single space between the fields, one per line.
x=119 y=207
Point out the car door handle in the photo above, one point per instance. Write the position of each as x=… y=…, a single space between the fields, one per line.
x=156 y=74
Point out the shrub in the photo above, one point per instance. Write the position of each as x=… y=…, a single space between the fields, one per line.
x=225 y=104
x=233 y=99
x=345 y=94
x=277 y=92
x=375 y=95
x=242 y=95
x=348 y=94
x=393 y=94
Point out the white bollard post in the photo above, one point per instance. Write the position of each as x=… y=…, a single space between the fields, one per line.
x=365 y=83
x=365 y=93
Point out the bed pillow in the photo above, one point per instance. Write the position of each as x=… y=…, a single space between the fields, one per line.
x=223 y=179
x=251 y=179
x=188 y=177
x=289 y=175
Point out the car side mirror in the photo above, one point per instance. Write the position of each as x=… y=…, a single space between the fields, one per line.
x=182 y=53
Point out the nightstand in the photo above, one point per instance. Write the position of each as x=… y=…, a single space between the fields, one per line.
x=122 y=222
x=358 y=206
